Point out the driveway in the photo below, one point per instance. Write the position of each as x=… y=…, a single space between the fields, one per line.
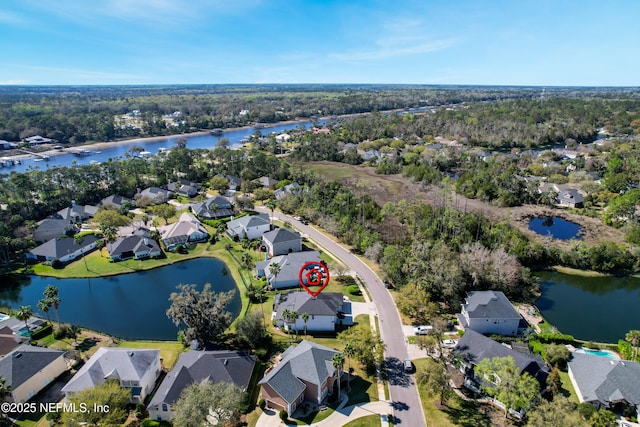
x=402 y=388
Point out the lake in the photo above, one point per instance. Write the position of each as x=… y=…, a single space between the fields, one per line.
x=130 y=306
x=601 y=309
x=555 y=227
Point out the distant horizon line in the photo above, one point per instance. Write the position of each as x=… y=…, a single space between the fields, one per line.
x=522 y=86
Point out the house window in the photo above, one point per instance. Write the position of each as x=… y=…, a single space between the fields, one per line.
x=301 y=398
x=164 y=407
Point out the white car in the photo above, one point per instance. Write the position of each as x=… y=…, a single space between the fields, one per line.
x=449 y=343
x=422 y=330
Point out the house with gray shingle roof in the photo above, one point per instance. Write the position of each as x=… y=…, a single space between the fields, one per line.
x=76 y=213
x=489 y=312
x=116 y=201
x=50 y=228
x=186 y=229
x=213 y=208
x=474 y=347
x=305 y=372
x=233 y=367
x=138 y=246
x=134 y=369
x=64 y=249
x=604 y=382
x=250 y=226
x=290 y=266
x=28 y=369
x=155 y=194
x=282 y=241
x=323 y=310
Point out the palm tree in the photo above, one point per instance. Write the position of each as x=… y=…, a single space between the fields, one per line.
x=51 y=293
x=305 y=319
x=633 y=338
x=271 y=204
x=246 y=260
x=5 y=391
x=274 y=270
x=24 y=313
x=44 y=305
x=338 y=362
x=348 y=351
x=294 y=316
x=286 y=316
x=79 y=239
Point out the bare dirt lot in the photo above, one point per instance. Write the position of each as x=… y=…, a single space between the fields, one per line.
x=392 y=188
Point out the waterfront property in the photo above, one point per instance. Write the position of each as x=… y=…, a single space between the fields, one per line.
x=305 y=372
x=604 y=382
x=288 y=267
x=234 y=367
x=135 y=246
x=489 y=312
x=134 y=369
x=28 y=369
x=186 y=229
x=324 y=310
x=64 y=249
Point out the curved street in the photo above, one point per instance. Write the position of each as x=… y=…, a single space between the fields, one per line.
x=405 y=400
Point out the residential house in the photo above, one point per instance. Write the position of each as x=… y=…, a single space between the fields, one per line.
x=282 y=241
x=28 y=369
x=76 y=213
x=293 y=188
x=250 y=226
x=604 y=382
x=194 y=367
x=185 y=187
x=135 y=246
x=50 y=228
x=324 y=311
x=10 y=340
x=267 y=182
x=37 y=140
x=570 y=198
x=156 y=195
x=234 y=182
x=5 y=145
x=289 y=266
x=64 y=249
x=186 y=229
x=116 y=202
x=135 y=369
x=489 y=312
x=474 y=347
x=213 y=208
x=305 y=372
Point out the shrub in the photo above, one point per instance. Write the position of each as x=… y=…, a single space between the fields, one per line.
x=42 y=332
x=555 y=338
x=283 y=415
x=57 y=264
x=262 y=403
x=586 y=410
x=155 y=423
x=354 y=290
x=61 y=332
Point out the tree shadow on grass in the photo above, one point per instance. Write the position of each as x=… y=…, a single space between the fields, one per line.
x=467 y=414
x=86 y=344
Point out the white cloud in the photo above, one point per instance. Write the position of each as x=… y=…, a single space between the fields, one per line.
x=62 y=75
x=390 y=48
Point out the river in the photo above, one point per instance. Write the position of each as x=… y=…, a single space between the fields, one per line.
x=601 y=309
x=130 y=306
x=120 y=149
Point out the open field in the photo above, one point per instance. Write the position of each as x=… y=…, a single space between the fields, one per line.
x=393 y=188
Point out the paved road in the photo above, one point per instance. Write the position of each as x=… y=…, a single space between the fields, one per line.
x=407 y=409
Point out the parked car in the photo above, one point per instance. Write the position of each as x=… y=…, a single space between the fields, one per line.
x=408 y=366
x=449 y=343
x=422 y=330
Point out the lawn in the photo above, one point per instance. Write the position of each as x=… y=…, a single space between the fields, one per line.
x=169 y=350
x=567 y=388
x=368 y=421
x=458 y=413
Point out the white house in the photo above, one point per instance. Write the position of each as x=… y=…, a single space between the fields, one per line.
x=137 y=246
x=186 y=229
x=251 y=227
x=282 y=241
x=489 y=312
x=28 y=369
x=288 y=268
x=135 y=369
x=323 y=310
x=64 y=249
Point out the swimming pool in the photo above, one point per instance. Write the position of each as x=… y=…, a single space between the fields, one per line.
x=3 y=317
x=602 y=353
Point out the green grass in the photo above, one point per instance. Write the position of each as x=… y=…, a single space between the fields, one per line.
x=457 y=413
x=169 y=350
x=368 y=421
x=567 y=388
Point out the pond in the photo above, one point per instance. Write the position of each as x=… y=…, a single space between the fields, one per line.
x=601 y=309
x=555 y=227
x=130 y=306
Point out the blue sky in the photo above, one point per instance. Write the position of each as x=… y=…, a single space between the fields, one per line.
x=514 y=42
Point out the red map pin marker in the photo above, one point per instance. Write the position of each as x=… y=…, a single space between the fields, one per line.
x=313 y=274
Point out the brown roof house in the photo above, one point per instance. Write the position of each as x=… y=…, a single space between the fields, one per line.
x=305 y=372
